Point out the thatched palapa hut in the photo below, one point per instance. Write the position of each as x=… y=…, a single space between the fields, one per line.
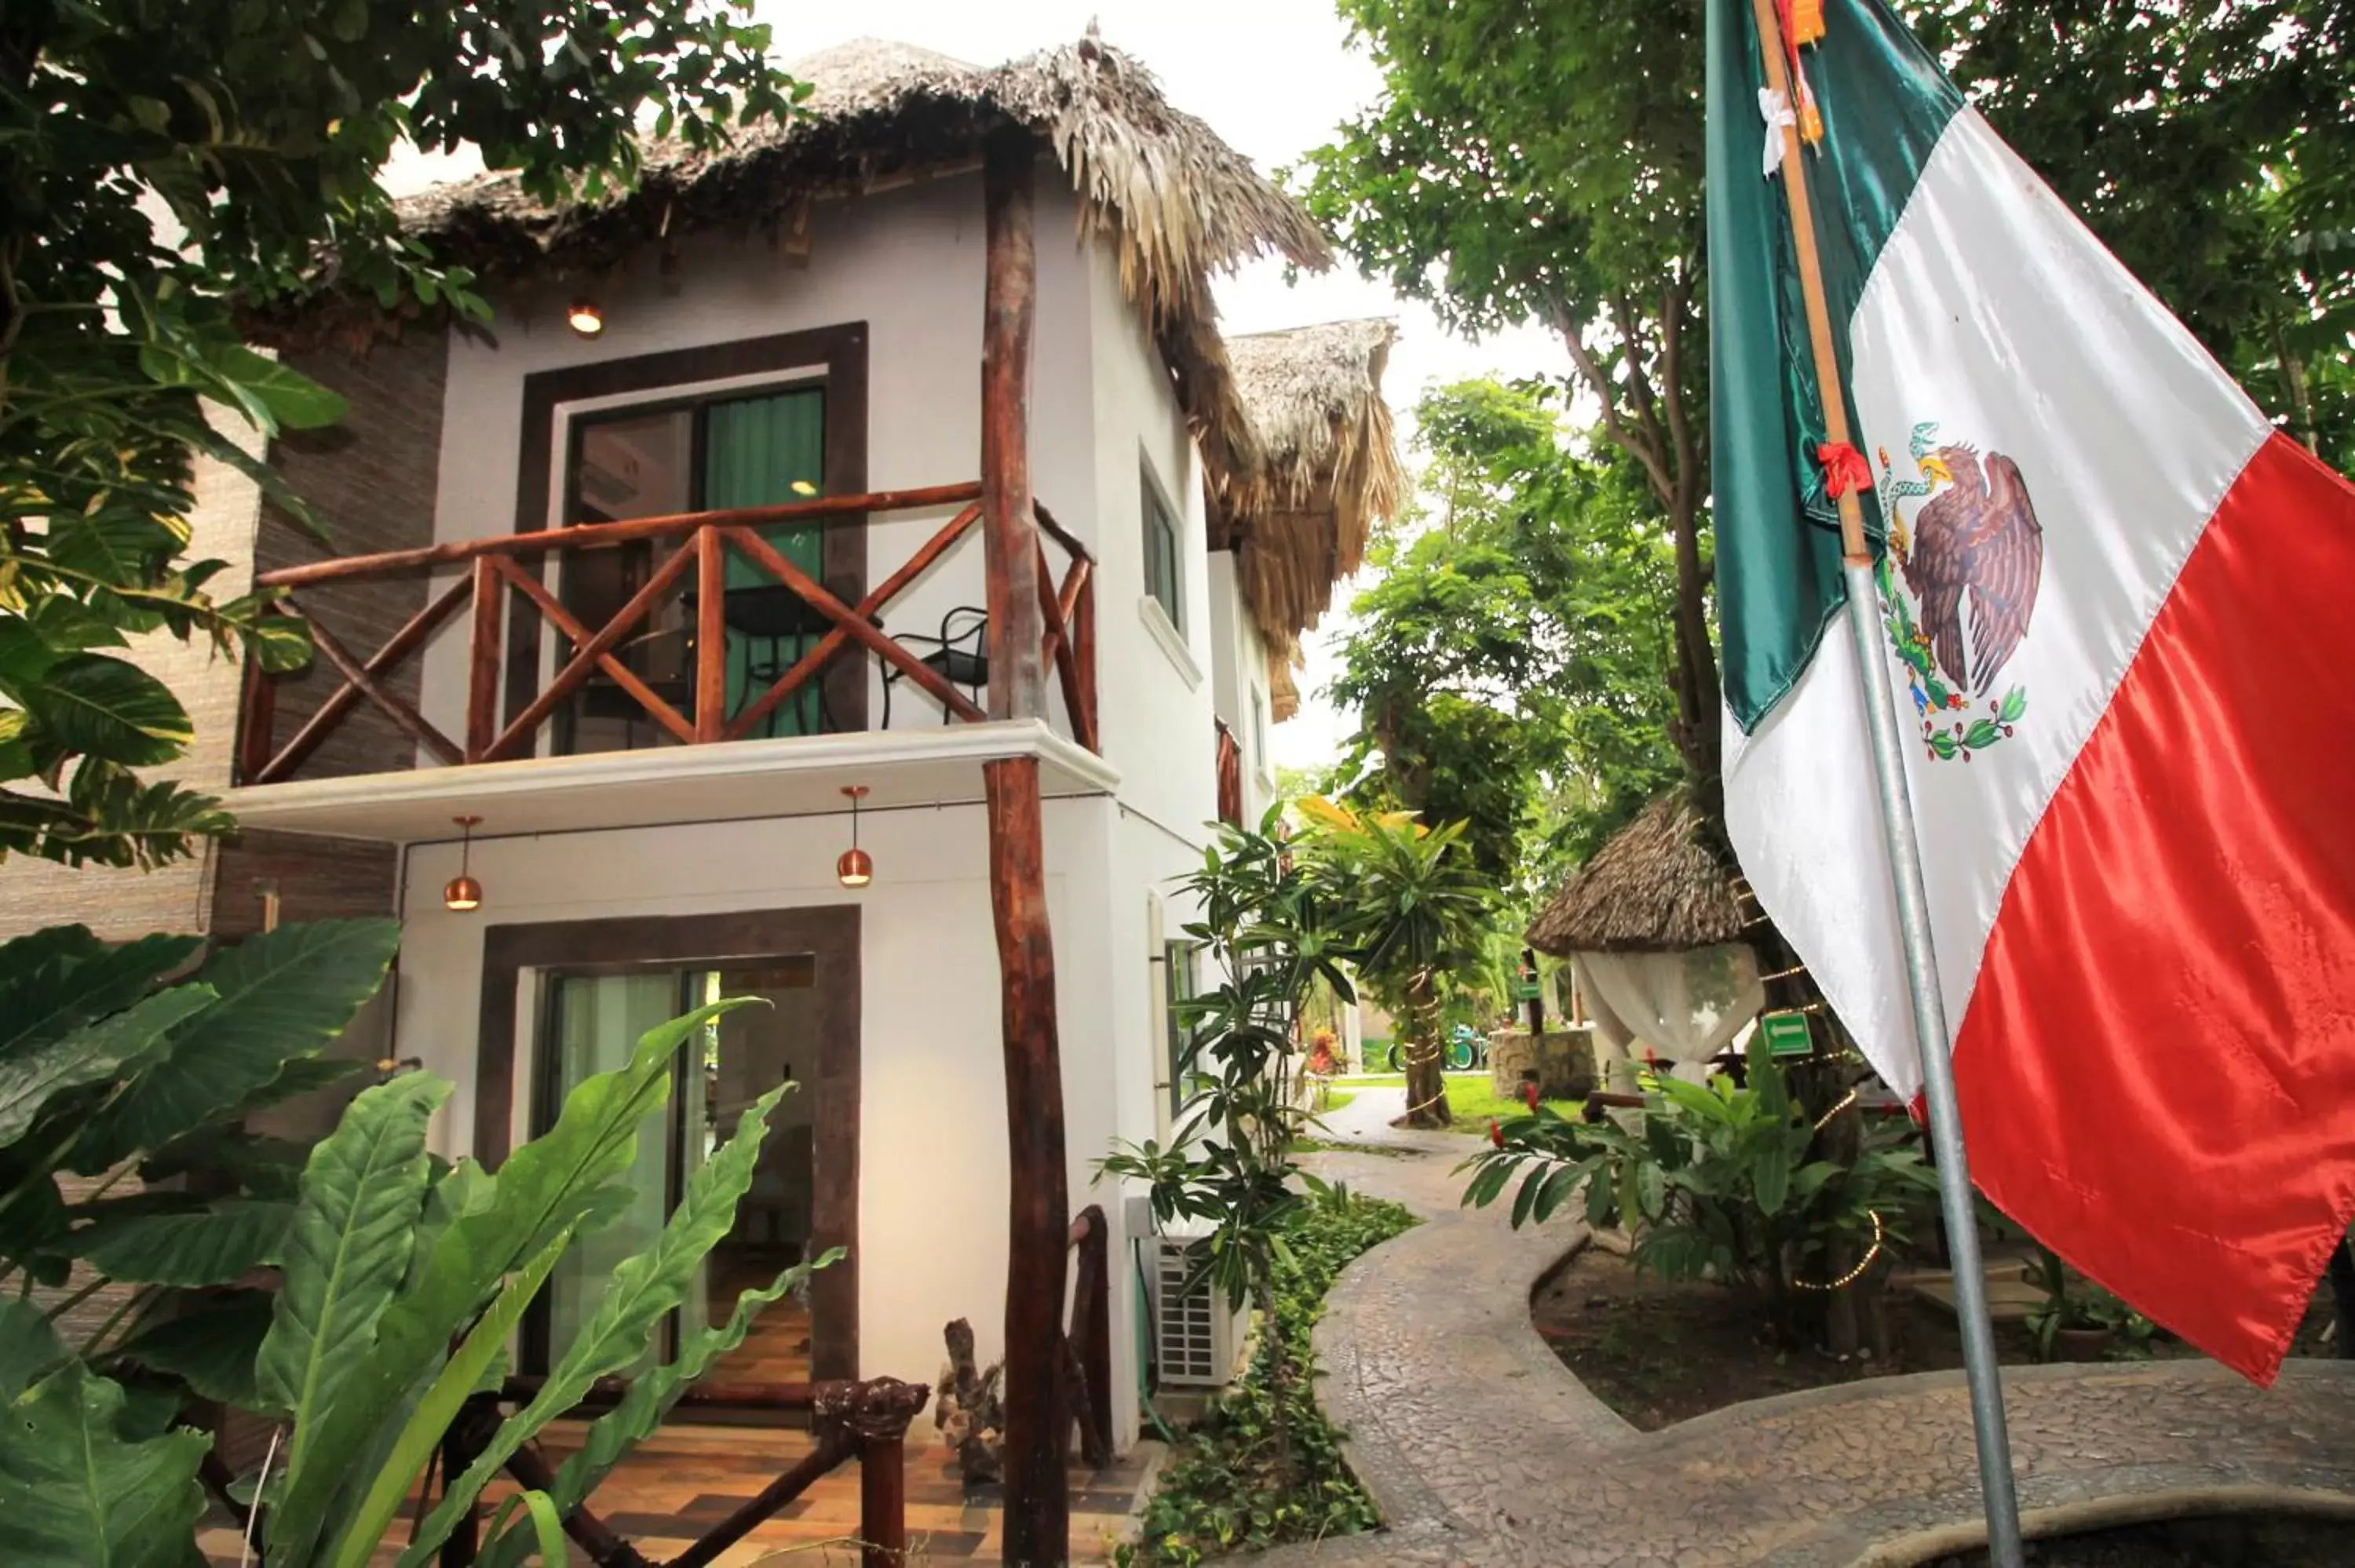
x=1658 y=936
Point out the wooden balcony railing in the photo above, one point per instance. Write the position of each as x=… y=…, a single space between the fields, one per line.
x=494 y=573
x=866 y=1422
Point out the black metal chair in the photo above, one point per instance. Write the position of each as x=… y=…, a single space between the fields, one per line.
x=770 y=618
x=960 y=654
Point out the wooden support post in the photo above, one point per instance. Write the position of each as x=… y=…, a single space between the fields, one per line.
x=1018 y=687
x=482 y=651
x=883 y=1500
x=1038 y=1426
x=258 y=724
x=710 y=634
x=1037 y=1422
x=1092 y=1331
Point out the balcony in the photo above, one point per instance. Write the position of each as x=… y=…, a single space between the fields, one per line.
x=666 y=671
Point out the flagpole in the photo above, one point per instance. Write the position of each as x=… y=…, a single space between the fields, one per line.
x=1997 y=1494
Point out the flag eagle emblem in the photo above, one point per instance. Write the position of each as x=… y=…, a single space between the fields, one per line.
x=1969 y=565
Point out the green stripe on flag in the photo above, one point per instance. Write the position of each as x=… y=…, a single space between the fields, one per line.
x=1885 y=103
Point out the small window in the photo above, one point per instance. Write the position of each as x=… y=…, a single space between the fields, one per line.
x=1258 y=732
x=1162 y=560
x=1178 y=971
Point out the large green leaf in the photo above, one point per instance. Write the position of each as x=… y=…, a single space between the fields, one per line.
x=543 y=1190
x=284 y=994
x=29 y=1347
x=645 y=1404
x=297 y=402
x=72 y=1491
x=111 y=708
x=423 y=1432
x=643 y=1291
x=211 y=1347
x=362 y=1194
x=215 y=1246
x=55 y=981
x=91 y=1055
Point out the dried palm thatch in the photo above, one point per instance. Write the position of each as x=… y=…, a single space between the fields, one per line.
x=1175 y=202
x=1655 y=887
x=1327 y=465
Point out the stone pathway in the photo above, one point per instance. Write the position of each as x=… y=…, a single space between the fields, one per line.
x=1480 y=1449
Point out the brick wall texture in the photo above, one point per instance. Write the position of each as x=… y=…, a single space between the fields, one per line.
x=372 y=481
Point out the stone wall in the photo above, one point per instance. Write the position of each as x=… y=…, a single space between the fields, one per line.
x=1562 y=1060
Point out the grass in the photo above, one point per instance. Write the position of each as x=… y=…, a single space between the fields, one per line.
x=1472 y=1098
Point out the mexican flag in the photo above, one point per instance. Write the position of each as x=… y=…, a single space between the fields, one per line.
x=2115 y=603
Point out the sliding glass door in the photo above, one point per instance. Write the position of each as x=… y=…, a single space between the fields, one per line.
x=592 y=1023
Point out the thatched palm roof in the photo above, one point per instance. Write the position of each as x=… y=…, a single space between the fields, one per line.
x=1327 y=466
x=1291 y=424
x=1655 y=887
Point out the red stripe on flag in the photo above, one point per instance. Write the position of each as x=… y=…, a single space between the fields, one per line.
x=2157 y=1071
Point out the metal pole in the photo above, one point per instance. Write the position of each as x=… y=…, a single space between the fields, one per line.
x=1998 y=1495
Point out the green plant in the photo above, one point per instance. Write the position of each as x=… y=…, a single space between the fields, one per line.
x=2065 y=1307
x=1719 y=1182
x=1265 y=1467
x=400 y=1276
x=1409 y=906
x=175 y=172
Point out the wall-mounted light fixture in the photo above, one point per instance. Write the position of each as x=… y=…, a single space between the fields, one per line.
x=463 y=893
x=857 y=867
x=586 y=317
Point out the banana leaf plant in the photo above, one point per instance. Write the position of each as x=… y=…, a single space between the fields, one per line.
x=401 y=1278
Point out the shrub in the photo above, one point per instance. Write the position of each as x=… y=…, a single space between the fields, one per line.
x=1232 y=1485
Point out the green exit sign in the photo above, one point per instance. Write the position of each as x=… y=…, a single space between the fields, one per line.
x=1787 y=1034
x=1527 y=991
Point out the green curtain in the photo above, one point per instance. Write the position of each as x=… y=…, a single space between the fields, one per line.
x=756 y=451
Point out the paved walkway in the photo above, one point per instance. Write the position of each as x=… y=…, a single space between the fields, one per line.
x=1480 y=1449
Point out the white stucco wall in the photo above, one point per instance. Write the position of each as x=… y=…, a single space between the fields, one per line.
x=908 y=263
x=933 y=1147
x=1239 y=679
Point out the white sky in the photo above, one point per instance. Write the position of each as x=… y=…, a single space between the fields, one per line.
x=1272 y=77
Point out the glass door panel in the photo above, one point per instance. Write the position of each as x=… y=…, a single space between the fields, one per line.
x=594 y=1023
x=769 y=451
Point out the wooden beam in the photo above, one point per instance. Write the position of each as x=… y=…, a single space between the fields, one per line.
x=1092 y=1329
x=1083 y=654
x=629 y=680
x=866 y=610
x=569 y=678
x=1038 y=1419
x=1062 y=650
x=397 y=647
x=710 y=634
x=1017 y=686
x=396 y=706
x=860 y=631
x=822 y=509
x=257 y=722
x=483 y=651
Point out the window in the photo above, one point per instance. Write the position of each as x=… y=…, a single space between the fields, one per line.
x=1162 y=560
x=1177 y=976
x=1259 y=734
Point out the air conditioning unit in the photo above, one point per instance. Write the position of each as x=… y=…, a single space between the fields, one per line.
x=1195 y=1335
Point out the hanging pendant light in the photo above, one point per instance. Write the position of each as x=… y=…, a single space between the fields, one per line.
x=586 y=317
x=463 y=893
x=857 y=867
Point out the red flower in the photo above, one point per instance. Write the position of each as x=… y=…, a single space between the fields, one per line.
x=1496 y=1132
x=1529 y=1096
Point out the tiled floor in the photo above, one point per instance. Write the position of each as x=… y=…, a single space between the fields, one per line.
x=689 y=1478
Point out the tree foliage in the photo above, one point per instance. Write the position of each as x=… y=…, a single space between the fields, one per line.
x=170 y=165
x=1544 y=164
x=1510 y=667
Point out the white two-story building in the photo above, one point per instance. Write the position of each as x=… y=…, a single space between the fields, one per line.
x=636 y=590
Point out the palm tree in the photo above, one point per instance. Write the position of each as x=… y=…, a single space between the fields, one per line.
x=1410 y=906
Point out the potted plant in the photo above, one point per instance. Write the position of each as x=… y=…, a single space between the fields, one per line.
x=2087 y=1324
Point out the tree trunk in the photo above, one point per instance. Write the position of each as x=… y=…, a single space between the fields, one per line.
x=1426 y=1089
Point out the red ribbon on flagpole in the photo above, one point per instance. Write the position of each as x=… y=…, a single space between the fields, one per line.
x=1843 y=469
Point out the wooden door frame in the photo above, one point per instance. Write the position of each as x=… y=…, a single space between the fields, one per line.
x=827 y=934
x=839 y=353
